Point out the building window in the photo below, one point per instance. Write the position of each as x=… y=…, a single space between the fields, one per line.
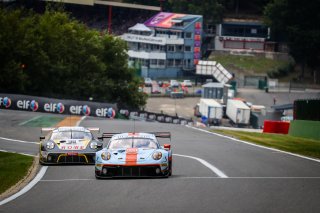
x=188 y=35
x=179 y=48
x=253 y=31
x=153 y=61
x=163 y=48
x=178 y=62
x=170 y=48
x=187 y=48
x=161 y=62
x=170 y=62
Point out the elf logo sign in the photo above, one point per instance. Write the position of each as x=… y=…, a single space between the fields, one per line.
x=6 y=102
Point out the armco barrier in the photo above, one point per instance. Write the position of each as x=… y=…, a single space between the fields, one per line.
x=278 y=127
x=88 y=108
x=58 y=106
x=305 y=129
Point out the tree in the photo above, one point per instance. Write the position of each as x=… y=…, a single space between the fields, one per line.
x=55 y=56
x=210 y=9
x=299 y=21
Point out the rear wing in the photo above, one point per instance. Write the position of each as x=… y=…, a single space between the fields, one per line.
x=162 y=134
x=94 y=129
x=107 y=135
x=157 y=134
x=47 y=129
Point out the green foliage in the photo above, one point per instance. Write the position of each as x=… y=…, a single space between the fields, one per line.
x=299 y=22
x=53 y=55
x=281 y=71
x=250 y=64
x=210 y=9
x=13 y=168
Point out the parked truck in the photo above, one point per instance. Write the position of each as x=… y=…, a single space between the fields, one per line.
x=211 y=110
x=238 y=112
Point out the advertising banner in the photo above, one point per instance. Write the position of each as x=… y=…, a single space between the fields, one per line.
x=59 y=106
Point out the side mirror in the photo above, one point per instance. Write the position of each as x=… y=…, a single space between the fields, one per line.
x=42 y=138
x=167 y=146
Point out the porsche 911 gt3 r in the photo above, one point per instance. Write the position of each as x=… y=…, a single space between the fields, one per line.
x=134 y=155
x=69 y=145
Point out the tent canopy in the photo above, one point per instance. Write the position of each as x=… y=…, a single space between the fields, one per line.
x=140 y=27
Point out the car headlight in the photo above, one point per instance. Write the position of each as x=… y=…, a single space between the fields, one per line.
x=93 y=145
x=157 y=155
x=50 y=145
x=105 y=155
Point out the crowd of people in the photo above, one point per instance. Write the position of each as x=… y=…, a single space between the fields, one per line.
x=97 y=17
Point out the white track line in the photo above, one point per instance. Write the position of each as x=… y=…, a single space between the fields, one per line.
x=205 y=163
x=27 y=187
x=19 y=141
x=27 y=121
x=249 y=177
x=78 y=123
x=64 y=180
x=256 y=145
x=35 y=180
x=21 y=153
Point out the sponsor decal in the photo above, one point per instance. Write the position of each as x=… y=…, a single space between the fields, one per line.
x=60 y=108
x=34 y=105
x=86 y=110
x=72 y=147
x=198 y=25
x=6 y=102
x=80 y=110
x=124 y=112
x=105 y=112
x=111 y=113
x=26 y=104
x=53 y=107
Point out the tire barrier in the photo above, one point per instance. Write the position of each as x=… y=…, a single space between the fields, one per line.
x=58 y=106
x=156 y=117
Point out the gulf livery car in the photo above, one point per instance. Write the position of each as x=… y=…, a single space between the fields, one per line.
x=69 y=145
x=134 y=155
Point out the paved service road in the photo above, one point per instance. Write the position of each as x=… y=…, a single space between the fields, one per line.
x=258 y=180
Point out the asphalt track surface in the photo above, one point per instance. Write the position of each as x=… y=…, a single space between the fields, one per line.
x=258 y=180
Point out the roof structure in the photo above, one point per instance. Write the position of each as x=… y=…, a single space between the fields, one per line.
x=140 y=27
x=167 y=20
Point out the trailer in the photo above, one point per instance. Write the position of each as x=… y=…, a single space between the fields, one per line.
x=212 y=110
x=238 y=112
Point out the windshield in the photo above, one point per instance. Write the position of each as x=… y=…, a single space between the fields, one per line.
x=64 y=135
x=125 y=143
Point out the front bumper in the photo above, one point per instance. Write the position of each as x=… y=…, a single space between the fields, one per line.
x=154 y=170
x=67 y=158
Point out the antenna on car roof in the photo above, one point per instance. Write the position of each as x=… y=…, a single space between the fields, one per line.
x=134 y=125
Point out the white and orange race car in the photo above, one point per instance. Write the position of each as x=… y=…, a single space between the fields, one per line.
x=134 y=155
x=67 y=145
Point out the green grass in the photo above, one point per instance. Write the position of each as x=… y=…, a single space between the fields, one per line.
x=13 y=167
x=248 y=64
x=43 y=121
x=302 y=146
